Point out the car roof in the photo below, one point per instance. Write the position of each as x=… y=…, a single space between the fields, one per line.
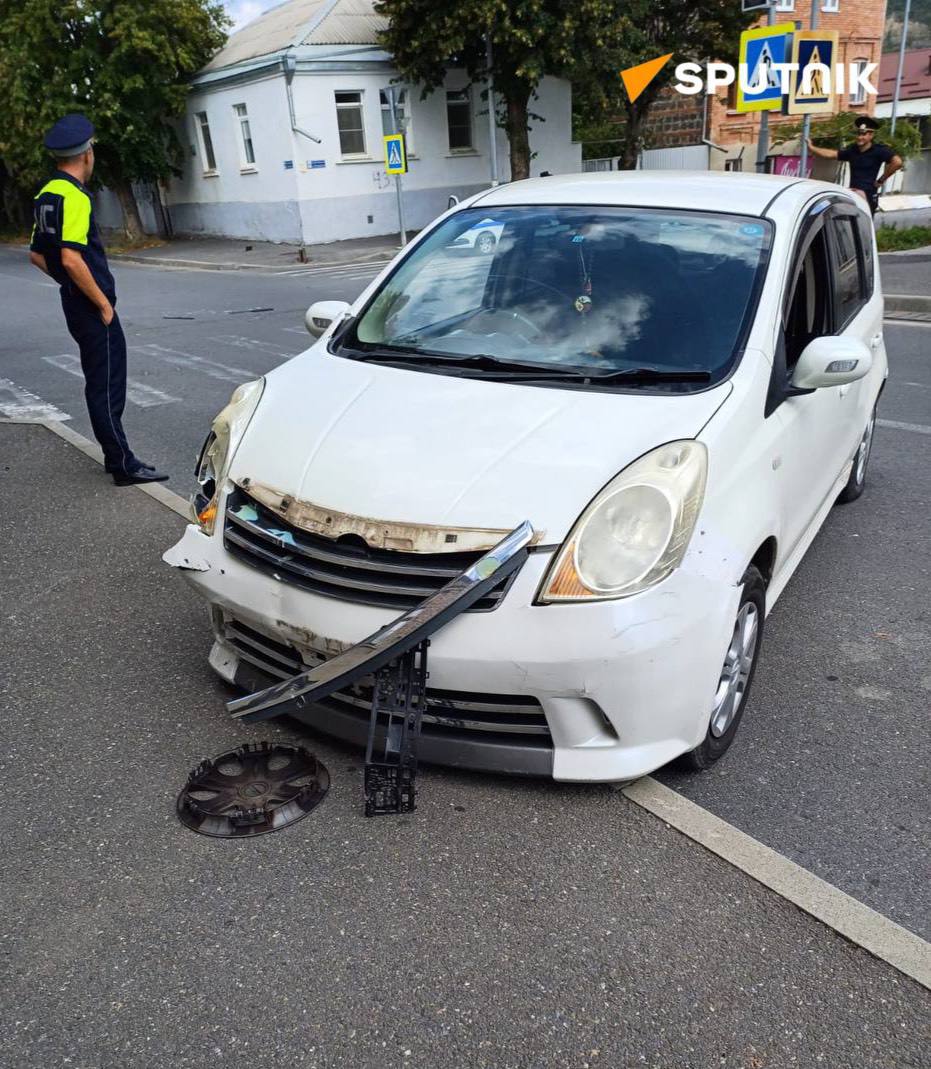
x=742 y=194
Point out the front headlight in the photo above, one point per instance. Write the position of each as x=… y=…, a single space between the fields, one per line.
x=635 y=531
x=218 y=450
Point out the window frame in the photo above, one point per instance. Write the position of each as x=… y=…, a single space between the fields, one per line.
x=841 y=319
x=860 y=96
x=784 y=5
x=246 y=144
x=466 y=93
x=402 y=108
x=830 y=7
x=360 y=105
x=208 y=154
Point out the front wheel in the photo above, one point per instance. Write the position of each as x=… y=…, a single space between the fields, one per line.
x=856 y=484
x=737 y=673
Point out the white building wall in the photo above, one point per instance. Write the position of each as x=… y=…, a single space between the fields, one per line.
x=238 y=200
x=346 y=197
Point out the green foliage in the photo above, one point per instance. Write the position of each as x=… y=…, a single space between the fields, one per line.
x=530 y=39
x=124 y=63
x=919 y=25
x=641 y=30
x=838 y=131
x=891 y=239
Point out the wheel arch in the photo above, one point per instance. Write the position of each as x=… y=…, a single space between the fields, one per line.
x=764 y=559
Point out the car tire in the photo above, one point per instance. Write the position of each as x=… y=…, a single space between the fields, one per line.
x=736 y=676
x=856 y=484
x=485 y=244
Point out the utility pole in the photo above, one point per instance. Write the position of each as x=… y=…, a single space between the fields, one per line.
x=397 y=178
x=762 y=145
x=898 y=73
x=806 y=122
x=492 y=127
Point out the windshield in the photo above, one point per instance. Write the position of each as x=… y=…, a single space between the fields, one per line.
x=601 y=290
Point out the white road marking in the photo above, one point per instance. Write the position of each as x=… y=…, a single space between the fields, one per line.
x=137 y=392
x=920 y=385
x=211 y=368
x=915 y=428
x=297 y=330
x=897 y=946
x=251 y=344
x=26 y=405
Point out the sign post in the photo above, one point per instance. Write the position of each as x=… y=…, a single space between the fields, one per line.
x=396 y=159
x=761 y=49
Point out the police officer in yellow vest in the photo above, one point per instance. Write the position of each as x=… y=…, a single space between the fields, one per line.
x=66 y=245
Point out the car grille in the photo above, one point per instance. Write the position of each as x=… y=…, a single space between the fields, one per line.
x=342 y=568
x=473 y=715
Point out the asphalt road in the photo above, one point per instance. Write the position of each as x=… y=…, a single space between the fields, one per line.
x=830 y=766
x=504 y=925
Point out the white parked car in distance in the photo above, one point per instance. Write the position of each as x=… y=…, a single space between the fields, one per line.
x=672 y=376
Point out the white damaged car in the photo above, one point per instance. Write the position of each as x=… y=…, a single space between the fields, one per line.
x=673 y=377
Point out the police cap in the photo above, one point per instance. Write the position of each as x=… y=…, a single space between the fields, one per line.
x=70 y=136
x=865 y=122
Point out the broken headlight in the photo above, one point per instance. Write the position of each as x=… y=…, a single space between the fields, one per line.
x=635 y=531
x=218 y=450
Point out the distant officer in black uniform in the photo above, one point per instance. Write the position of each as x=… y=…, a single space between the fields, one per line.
x=66 y=245
x=865 y=158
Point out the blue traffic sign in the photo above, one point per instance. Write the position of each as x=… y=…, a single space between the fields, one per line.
x=395 y=154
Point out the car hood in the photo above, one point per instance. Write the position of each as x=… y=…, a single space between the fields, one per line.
x=414 y=448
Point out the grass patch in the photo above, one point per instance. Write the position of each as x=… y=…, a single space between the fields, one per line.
x=891 y=239
x=14 y=237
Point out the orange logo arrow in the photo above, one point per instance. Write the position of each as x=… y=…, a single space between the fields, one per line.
x=636 y=79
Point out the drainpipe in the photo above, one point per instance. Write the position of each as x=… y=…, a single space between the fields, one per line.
x=289 y=66
x=704 y=128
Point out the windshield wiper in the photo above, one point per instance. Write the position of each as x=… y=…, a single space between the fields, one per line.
x=479 y=360
x=514 y=370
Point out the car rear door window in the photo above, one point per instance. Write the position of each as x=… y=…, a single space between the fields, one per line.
x=847 y=269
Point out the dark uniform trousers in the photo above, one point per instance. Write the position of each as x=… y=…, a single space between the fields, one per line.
x=103 y=361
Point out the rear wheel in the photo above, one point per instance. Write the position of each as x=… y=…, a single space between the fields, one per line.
x=856 y=484
x=736 y=676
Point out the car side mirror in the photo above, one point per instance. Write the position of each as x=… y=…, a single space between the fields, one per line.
x=831 y=361
x=322 y=314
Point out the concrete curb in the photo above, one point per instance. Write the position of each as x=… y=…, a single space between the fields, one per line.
x=907 y=302
x=204 y=265
x=883 y=938
x=156 y=491
x=907 y=256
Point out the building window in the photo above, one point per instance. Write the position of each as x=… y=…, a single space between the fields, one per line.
x=248 y=153
x=349 y=121
x=858 y=92
x=206 y=144
x=785 y=5
x=459 y=119
x=830 y=5
x=400 y=110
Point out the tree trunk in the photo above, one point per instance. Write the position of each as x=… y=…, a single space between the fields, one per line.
x=519 y=136
x=630 y=148
x=132 y=224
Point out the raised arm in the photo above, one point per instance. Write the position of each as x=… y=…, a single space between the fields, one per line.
x=824 y=153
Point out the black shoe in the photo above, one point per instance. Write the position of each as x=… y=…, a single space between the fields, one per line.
x=139 y=475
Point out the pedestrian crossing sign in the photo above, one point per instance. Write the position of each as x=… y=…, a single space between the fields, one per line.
x=395 y=154
x=759 y=83
x=811 y=90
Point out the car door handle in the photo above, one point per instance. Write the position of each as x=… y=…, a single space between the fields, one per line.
x=877 y=340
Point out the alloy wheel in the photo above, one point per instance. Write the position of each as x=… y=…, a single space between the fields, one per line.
x=863 y=451
x=735 y=673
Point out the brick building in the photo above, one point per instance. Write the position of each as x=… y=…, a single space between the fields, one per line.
x=697 y=126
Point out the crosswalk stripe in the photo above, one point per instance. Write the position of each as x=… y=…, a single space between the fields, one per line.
x=211 y=368
x=26 y=405
x=137 y=392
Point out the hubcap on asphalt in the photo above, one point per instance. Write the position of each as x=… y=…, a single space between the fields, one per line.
x=736 y=671
x=863 y=453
